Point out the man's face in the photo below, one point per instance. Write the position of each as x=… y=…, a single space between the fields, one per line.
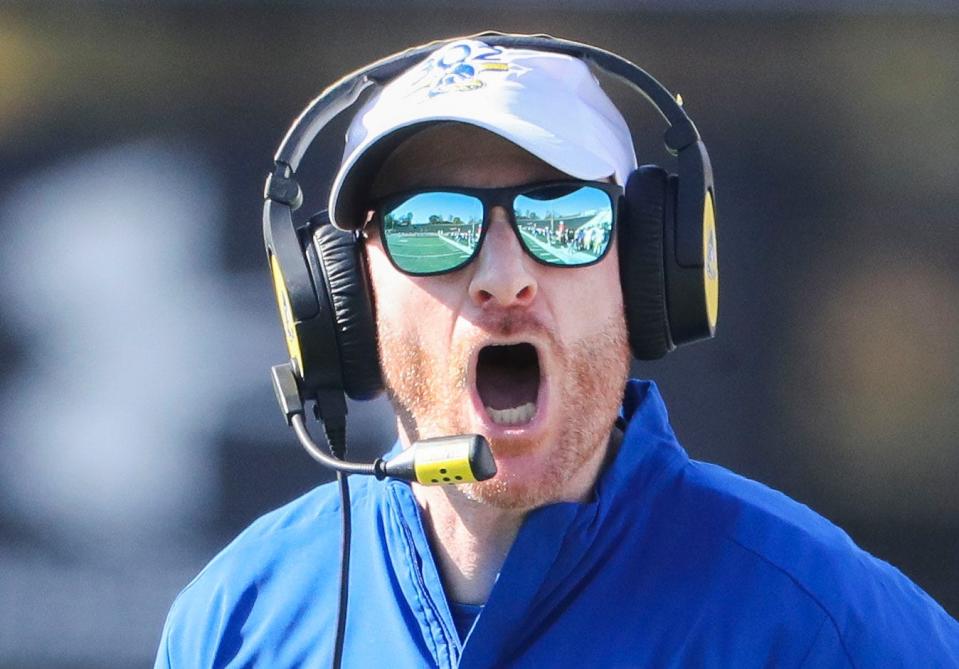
x=532 y=357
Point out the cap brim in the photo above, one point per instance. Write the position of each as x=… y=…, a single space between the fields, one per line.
x=348 y=196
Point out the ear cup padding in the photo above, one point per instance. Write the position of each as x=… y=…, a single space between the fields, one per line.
x=344 y=276
x=641 y=260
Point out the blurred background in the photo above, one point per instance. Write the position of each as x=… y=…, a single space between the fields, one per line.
x=138 y=429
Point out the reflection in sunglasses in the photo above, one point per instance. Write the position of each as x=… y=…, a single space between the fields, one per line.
x=440 y=230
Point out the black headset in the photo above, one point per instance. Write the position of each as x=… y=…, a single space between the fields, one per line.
x=667 y=237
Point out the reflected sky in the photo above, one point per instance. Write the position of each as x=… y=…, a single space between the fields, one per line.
x=459 y=208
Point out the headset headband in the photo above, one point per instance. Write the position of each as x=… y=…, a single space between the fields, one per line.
x=343 y=93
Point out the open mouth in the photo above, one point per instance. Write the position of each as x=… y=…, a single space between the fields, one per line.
x=507 y=380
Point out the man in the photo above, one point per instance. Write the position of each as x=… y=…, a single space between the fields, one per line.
x=598 y=542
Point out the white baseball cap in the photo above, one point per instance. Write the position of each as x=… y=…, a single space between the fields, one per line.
x=549 y=104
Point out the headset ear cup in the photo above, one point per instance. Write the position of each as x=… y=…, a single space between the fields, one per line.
x=343 y=274
x=641 y=268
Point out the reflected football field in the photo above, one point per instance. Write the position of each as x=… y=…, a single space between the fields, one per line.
x=426 y=252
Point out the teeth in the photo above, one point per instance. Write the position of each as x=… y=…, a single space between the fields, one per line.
x=515 y=416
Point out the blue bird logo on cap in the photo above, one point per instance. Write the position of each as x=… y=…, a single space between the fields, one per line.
x=458 y=67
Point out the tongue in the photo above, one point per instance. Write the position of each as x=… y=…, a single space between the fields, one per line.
x=505 y=389
x=504 y=382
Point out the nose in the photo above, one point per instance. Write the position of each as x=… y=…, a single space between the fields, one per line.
x=503 y=274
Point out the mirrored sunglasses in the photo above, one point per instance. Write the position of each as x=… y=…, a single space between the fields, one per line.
x=437 y=230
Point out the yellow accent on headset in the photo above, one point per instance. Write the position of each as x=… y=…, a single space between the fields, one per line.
x=438 y=466
x=710 y=262
x=286 y=316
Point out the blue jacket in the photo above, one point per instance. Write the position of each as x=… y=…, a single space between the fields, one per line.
x=672 y=563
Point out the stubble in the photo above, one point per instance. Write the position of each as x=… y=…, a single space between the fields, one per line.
x=429 y=397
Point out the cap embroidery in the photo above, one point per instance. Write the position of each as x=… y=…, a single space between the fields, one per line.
x=458 y=68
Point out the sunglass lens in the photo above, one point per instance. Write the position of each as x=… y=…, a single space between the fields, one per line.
x=433 y=232
x=565 y=225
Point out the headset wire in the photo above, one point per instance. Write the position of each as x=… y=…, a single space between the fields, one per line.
x=342 y=480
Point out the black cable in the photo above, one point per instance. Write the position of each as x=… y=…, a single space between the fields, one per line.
x=341 y=478
x=335 y=428
x=299 y=426
x=336 y=437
